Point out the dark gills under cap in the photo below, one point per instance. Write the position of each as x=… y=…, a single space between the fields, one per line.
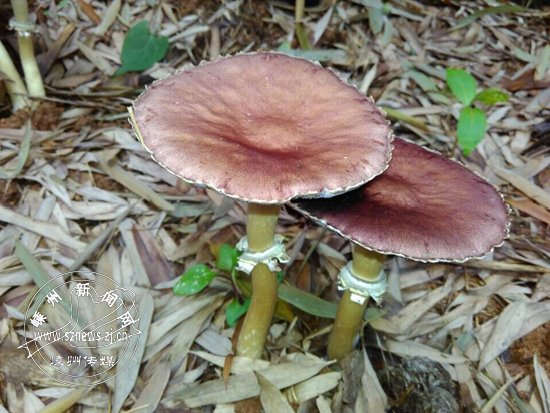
x=424 y=207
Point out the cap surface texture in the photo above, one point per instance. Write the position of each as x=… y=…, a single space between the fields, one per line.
x=424 y=207
x=264 y=127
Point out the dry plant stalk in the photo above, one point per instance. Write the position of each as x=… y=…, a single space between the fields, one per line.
x=14 y=83
x=22 y=25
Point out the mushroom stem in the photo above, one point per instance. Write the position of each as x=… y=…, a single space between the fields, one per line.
x=260 y=228
x=366 y=265
x=260 y=231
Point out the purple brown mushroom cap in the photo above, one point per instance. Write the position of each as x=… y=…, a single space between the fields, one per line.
x=424 y=207
x=264 y=128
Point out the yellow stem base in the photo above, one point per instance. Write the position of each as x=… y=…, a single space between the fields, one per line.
x=260 y=229
x=257 y=321
x=349 y=315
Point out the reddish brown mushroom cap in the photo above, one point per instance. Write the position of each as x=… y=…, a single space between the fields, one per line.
x=424 y=207
x=264 y=127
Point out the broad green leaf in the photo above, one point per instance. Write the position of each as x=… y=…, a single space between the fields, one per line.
x=472 y=124
x=194 y=280
x=492 y=96
x=141 y=49
x=236 y=310
x=307 y=302
x=227 y=258
x=462 y=84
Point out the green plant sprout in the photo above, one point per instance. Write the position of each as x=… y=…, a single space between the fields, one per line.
x=472 y=121
x=200 y=276
x=141 y=49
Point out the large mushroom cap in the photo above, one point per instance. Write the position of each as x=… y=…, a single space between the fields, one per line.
x=424 y=207
x=264 y=127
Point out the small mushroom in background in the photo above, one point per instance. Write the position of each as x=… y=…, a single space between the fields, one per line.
x=424 y=207
x=263 y=128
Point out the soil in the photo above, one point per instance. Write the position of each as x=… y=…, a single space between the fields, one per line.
x=44 y=118
x=523 y=350
x=10 y=194
x=248 y=406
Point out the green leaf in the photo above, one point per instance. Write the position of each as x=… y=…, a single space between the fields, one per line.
x=307 y=302
x=236 y=310
x=462 y=84
x=472 y=124
x=141 y=49
x=194 y=280
x=492 y=96
x=227 y=258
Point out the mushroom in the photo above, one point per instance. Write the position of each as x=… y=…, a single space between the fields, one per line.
x=263 y=128
x=424 y=207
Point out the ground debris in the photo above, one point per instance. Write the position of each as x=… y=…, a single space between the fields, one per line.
x=419 y=385
x=87 y=197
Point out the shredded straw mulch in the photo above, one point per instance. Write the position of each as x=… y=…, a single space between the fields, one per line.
x=80 y=193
